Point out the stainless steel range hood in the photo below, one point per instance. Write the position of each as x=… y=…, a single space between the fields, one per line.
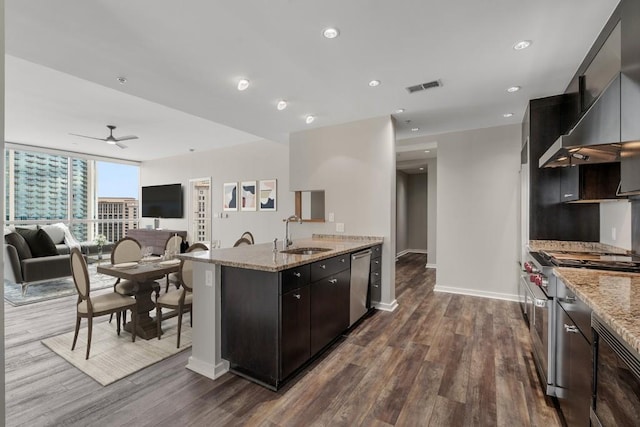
x=596 y=138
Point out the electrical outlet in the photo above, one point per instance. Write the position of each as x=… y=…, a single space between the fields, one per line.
x=613 y=234
x=340 y=227
x=331 y=217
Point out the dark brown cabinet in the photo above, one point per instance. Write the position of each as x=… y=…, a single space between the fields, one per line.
x=375 y=277
x=295 y=330
x=329 y=308
x=587 y=183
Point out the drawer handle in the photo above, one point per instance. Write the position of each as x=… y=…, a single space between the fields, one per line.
x=295 y=273
x=377 y=274
x=333 y=281
x=322 y=266
x=342 y=260
x=296 y=296
x=376 y=286
x=569 y=299
x=377 y=262
x=571 y=328
x=568 y=195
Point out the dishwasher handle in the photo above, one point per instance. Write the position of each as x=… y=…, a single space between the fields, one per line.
x=361 y=254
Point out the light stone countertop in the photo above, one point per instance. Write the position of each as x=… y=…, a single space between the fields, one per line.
x=561 y=245
x=262 y=257
x=613 y=296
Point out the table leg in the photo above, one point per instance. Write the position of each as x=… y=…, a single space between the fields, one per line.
x=146 y=327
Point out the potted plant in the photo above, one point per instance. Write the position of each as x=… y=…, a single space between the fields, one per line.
x=100 y=240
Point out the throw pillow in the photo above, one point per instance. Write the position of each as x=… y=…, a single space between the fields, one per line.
x=56 y=233
x=39 y=242
x=17 y=241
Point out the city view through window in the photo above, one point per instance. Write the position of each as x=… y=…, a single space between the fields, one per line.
x=92 y=197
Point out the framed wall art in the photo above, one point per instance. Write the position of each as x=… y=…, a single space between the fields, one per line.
x=248 y=198
x=230 y=194
x=268 y=195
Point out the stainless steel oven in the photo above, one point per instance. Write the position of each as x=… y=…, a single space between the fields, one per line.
x=617 y=379
x=537 y=287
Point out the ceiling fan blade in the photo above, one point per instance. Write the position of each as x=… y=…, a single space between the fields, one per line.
x=90 y=137
x=124 y=138
x=121 y=145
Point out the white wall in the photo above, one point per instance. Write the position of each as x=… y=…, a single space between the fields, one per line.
x=417 y=212
x=355 y=164
x=401 y=211
x=253 y=161
x=477 y=206
x=616 y=215
x=432 y=211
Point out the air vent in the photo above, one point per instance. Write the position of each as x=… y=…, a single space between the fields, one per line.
x=423 y=86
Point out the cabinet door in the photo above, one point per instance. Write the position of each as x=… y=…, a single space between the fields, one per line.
x=574 y=370
x=329 y=309
x=294 y=330
x=570 y=184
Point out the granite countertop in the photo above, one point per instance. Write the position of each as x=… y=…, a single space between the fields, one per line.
x=613 y=296
x=262 y=257
x=561 y=245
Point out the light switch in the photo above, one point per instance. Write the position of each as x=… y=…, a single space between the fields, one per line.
x=340 y=227
x=331 y=217
x=613 y=234
x=209 y=278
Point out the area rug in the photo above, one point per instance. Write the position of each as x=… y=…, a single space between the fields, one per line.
x=114 y=357
x=53 y=289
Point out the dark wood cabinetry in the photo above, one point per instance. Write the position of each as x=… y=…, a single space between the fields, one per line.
x=154 y=238
x=590 y=183
x=549 y=218
x=274 y=322
x=375 y=275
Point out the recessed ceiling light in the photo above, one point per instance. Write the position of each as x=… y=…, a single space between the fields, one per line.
x=282 y=104
x=522 y=44
x=121 y=80
x=243 y=84
x=513 y=89
x=415 y=129
x=400 y=110
x=427 y=151
x=330 y=33
x=374 y=83
x=421 y=169
x=506 y=115
x=309 y=119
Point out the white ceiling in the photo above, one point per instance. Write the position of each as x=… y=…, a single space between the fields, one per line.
x=182 y=62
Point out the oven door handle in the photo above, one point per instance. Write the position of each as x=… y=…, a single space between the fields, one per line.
x=539 y=298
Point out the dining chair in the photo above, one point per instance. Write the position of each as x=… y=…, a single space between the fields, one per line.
x=126 y=249
x=90 y=307
x=242 y=242
x=172 y=245
x=180 y=299
x=247 y=235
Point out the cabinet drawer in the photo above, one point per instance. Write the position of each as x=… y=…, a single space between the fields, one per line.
x=376 y=291
x=577 y=310
x=376 y=263
x=295 y=277
x=330 y=266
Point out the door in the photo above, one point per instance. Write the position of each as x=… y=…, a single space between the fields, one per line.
x=294 y=330
x=199 y=210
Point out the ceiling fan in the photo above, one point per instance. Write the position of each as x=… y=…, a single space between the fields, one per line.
x=110 y=139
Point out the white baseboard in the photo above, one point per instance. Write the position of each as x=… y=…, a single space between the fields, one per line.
x=386 y=307
x=411 y=251
x=430 y=266
x=476 y=293
x=207 y=369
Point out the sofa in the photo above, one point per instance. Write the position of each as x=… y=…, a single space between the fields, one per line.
x=42 y=255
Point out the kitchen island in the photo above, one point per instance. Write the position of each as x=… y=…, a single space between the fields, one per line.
x=249 y=279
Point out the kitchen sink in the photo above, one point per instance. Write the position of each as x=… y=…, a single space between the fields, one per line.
x=305 y=251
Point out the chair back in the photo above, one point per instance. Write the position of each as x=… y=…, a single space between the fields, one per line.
x=80 y=273
x=173 y=243
x=126 y=250
x=241 y=242
x=186 y=267
x=247 y=235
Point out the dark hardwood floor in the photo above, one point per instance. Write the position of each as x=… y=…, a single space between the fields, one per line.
x=439 y=359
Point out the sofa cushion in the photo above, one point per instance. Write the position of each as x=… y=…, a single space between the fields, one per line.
x=39 y=242
x=56 y=233
x=21 y=245
x=46 y=268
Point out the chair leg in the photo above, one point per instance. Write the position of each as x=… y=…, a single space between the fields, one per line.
x=124 y=318
x=166 y=289
x=118 y=314
x=158 y=318
x=89 y=336
x=134 y=323
x=111 y=318
x=179 y=324
x=191 y=317
x=75 y=335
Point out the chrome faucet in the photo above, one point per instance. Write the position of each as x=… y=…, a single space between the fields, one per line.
x=287 y=241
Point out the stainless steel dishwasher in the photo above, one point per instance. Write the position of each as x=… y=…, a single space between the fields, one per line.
x=360 y=266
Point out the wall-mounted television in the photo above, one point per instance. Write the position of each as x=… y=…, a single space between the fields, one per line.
x=162 y=201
